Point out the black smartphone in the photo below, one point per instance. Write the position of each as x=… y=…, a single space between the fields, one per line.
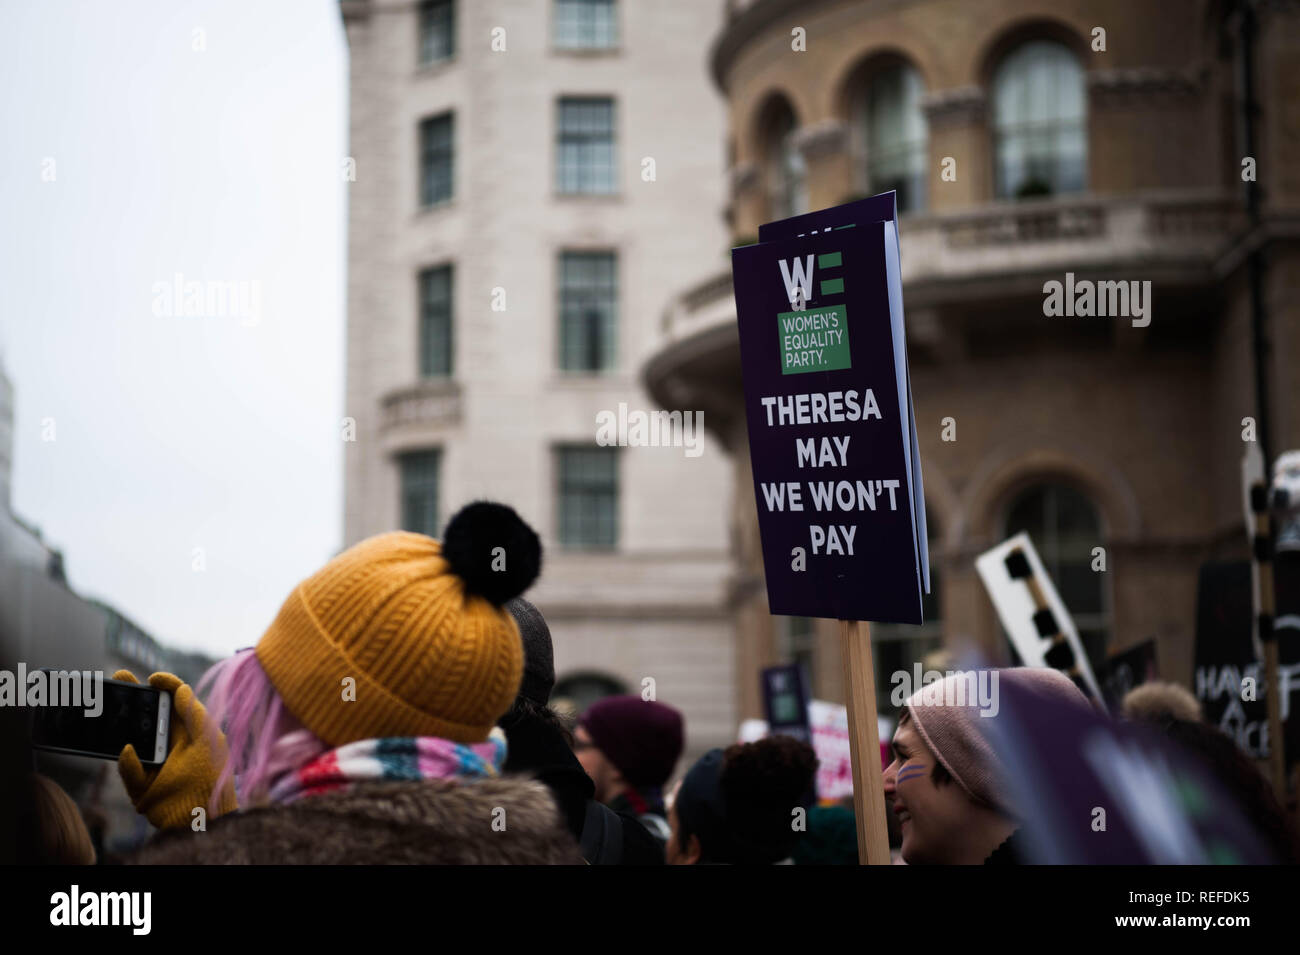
x=134 y=713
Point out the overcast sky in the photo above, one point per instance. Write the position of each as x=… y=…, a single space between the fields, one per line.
x=215 y=155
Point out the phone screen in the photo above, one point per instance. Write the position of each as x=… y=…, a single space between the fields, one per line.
x=130 y=715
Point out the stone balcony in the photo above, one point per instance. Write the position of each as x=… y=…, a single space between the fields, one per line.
x=1002 y=250
x=1183 y=236
x=1002 y=247
x=414 y=413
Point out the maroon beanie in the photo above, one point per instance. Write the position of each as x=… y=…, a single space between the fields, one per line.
x=642 y=738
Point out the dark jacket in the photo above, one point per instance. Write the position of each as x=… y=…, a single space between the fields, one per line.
x=609 y=837
x=429 y=822
x=1010 y=852
x=538 y=748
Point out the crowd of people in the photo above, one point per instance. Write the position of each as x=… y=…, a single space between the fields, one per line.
x=398 y=710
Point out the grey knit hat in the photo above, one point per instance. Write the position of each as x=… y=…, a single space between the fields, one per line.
x=956 y=734
x=539 y=658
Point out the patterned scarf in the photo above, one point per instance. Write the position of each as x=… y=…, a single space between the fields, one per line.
x=392 y=758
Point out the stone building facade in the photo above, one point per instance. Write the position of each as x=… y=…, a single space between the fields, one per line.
x=1026 y=145
x=532 y=183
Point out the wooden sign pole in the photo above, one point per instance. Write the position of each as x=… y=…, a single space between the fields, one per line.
x=864 y=743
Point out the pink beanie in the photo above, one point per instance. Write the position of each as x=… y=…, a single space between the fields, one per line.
x=954 y=733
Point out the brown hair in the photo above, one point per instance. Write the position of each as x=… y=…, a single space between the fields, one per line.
x=61 y=837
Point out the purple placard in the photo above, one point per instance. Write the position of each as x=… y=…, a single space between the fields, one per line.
x=878 y=208
x=1062 y=762
x=881 y=208
x=859 y=553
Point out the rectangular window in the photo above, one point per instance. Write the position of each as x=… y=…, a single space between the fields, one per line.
x=588 y=311
x=437 y=31
x=586 y=25
x=435 y=322
x=435 y=159
x=420 y=491
x=584 y=162
x=588 y=498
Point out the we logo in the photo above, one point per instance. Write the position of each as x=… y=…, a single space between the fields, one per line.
x=812 y=339
x=798 y=283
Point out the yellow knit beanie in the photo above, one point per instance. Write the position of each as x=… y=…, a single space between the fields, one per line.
x=416 y=625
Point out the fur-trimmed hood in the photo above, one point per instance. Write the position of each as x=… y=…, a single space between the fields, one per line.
x=510 y=820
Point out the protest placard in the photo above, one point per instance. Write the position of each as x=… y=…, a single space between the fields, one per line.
x=831 y=429
x=785 y=700
x=833 y=447
x=1032 y=612
x=1126 y=671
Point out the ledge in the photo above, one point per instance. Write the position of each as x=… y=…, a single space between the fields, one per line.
x=432 y=403
x=990 y=252
x=963 y=105
x=824 y=138
x=1175 y=232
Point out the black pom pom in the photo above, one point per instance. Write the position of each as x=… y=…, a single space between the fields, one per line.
x=491 y=548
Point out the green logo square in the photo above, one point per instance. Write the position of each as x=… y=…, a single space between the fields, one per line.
x=814 y=340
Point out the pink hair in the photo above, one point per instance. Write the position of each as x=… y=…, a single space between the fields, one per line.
x=265 y=739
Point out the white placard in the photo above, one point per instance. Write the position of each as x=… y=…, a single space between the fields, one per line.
x=829 y=725
x=1015 y=607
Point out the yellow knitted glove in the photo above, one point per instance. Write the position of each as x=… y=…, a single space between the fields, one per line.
x=168 y=794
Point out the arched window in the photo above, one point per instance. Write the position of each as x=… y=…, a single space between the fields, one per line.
x=1065 y=528
x=898 y=647
x=893 y=135
x=1039 y=121
x=787 y=177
